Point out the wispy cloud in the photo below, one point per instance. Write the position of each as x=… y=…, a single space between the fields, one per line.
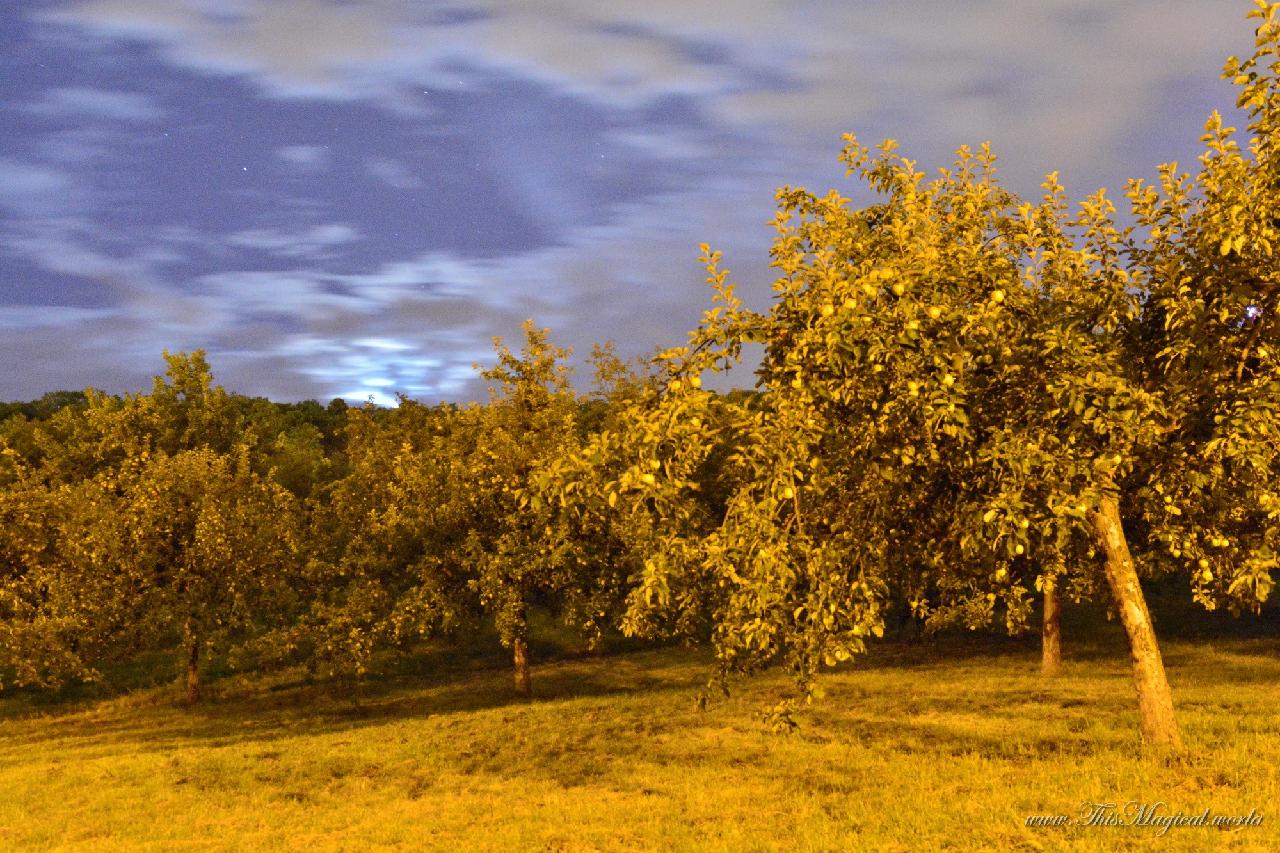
x=95 y=103
x=305 y=157
x=315 y=243
x=393 y=173
x=30 y=188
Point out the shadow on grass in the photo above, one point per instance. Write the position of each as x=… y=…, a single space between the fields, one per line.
x=145 y=678
x=241 y=711
x=1087 y=635
x=451 y=681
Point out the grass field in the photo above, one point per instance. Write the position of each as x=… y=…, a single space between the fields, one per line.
x=938 y=746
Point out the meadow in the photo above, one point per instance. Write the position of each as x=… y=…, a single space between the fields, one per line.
x=940 y=744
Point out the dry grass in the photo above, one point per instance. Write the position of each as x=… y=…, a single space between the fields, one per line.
x=929 y=747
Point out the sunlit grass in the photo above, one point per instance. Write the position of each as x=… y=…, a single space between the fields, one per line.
x=933 y=746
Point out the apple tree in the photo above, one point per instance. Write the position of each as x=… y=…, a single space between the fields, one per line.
x=41 y=643
x=520 y=551
x=951 y=410
x=382 y=567
x=194 y=546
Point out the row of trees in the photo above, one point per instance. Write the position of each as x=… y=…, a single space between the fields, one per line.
x=966 y=400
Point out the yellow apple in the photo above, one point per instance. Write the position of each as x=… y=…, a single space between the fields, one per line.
x=997 y=295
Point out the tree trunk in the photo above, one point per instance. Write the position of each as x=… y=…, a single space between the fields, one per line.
x=520 y=657
x=1155 y=702
x=1050 y=633
x=193 y=671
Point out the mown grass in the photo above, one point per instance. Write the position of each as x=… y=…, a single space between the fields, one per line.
x=946 y=745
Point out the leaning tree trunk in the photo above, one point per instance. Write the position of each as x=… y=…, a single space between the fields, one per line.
x=1050 y=632
x=1155 y=702
x=520 y=657
x=193 y=670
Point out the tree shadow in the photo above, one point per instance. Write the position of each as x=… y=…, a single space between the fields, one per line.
x=249 y=715
x=1087 y=636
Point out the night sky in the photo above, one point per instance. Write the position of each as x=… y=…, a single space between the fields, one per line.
x=351 y=198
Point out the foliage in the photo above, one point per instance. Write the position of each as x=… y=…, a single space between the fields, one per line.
x=1209 y=341
x=383 y=568
x=141 y=520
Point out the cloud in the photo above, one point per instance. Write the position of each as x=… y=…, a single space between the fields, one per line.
x=26 y=318
x=96 y=103
x=1049 y=80
x=392 y=173
x=130 y=278
x=417 y=325
x=295 y=47
x=556 y=161
x=31 y=189
x=311 y=48
x=315 y=243
x=305 y=157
